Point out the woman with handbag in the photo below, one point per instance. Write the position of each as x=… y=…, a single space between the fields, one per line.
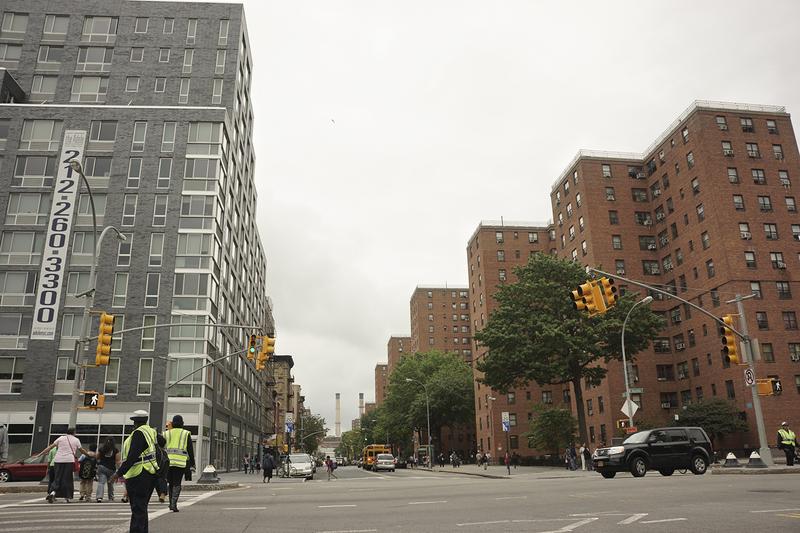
x=66 y=464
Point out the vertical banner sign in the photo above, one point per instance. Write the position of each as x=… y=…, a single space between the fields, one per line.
x=52 y=276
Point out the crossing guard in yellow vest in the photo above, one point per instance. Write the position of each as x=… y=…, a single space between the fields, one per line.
x=787 y=441
x=139 y=469
x=181 y=459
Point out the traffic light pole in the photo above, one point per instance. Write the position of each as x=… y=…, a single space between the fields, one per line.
x=763 y=451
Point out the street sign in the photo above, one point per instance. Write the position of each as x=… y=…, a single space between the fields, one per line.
x=289 y=418
x=749 y=377
x=629 y=408
x=289 y=427
x=631 y=430
x=506 y=420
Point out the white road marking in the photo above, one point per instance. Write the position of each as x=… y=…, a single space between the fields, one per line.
x=243 y=508
x=60 y=520
x=335 y=506
x=512 y=498
x=427 y=503
x=776 y=510
x=49 y=528
x=632 y=519
x=39 y=499
x=484 y=523
x=574 y=526
x=350 y=531
x=165 y=510
x=664 y=520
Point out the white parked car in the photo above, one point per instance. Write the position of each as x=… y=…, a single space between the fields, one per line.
x=301 y=465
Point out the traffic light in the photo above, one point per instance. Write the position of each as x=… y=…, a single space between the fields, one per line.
x=267 y=346
x=609 y=292
x=730 y=350
x=251 y=350
x=105 y=330
x=589 y=297
x=93 y=400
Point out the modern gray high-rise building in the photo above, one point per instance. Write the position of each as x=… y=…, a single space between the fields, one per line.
x=153 y=100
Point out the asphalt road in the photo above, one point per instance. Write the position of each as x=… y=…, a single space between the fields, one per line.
x=416 y=501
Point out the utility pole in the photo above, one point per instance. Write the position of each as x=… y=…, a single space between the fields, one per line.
x=763 y=451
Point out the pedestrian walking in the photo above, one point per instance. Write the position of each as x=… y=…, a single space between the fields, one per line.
x=67 y=448
x=3 y=443
x=51 y=469
x=161 y=480
x=139 y=469
x=245 y=463
x=181 y=459
x=87 y=473
x=485 y=461
x=258 y=466
x=573 y=457
x=108 y=461
x=515 y=460
x=586 y=456
x=507 y=462
x=269 y=466
x=330 y=466
x=787 y=441
x=583 y=458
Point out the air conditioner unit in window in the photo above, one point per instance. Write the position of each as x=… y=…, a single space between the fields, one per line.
x=656 y=193
x=796 y=236
x=677 y=320
x=781 y=265
x=620 y=272
x=640 y=175
x=723 y=127
x=786 y=183
x=680 y=346
x=667 y=268
x=647 y=222
x=681 y=375
x=795 y=356
x=659 y=216
x=746 y=235
x=651 y=246
x=778 y=156
x=666 y=405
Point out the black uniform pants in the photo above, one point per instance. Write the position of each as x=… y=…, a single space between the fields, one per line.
x=140 y=488
x=789 y=451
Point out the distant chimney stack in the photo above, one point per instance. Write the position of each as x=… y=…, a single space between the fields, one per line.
x=338 y=415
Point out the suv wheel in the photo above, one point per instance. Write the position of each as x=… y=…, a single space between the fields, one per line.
x=667 y=471
x=699 y=465
x=608 y=475
x=638 y=467
x=5 y=475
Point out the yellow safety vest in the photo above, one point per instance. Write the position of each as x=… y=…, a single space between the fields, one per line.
x=178 y=447
x=787 y=436
x=147 y=461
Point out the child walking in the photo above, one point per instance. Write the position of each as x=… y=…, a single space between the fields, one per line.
x=87 y=472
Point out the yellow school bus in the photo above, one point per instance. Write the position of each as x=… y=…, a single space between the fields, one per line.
x=370 y=452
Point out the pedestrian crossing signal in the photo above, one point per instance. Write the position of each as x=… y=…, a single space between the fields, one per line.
x=93 y=400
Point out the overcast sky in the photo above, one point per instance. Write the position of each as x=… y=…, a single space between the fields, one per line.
x=385 y=131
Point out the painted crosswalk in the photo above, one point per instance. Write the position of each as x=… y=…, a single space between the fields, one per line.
x=35 y=514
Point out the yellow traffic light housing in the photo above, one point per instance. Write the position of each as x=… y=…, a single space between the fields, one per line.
x=93 y=400
x=105 y=331
x=261 y=362
x=589 y=297
x=267 y=346
x=609 y=292
x=251 y=350
x=730 y=350
x=764 y=387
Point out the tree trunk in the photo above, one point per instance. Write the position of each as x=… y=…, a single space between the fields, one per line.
x=579 y=409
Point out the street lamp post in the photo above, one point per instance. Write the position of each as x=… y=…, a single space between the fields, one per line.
x=644 y=301
x=428 y=414
x=88 y=302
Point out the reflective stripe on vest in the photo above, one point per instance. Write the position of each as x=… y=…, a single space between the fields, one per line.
x=787 y=436
x=178 y=447
x=147 y=460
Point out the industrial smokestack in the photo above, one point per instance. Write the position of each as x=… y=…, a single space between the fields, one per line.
x=360 y=404
x=338 y=415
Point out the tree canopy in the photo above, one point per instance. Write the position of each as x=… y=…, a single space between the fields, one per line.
x=551 y=429
x=718 y=417
x=312 y=432
x=536 y=335
x=448 y=380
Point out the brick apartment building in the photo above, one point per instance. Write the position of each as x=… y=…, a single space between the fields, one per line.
x=396 y=348
x=707 y=212
x=493 y=251
x=440 y=320
x=381 y=382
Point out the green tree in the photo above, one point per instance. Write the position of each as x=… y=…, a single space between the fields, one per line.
x=449 y=384
x=351 y=445
x=716 y=416
x=535 y=334
x=551 y=429
x=311 y=432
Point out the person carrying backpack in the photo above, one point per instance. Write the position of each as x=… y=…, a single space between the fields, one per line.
x=330 y=466
x=87 y=471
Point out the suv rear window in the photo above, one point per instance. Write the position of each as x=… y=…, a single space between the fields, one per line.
x=697 y=434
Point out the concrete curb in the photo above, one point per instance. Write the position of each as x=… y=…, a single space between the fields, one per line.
x=190 y=487
x=743 y=471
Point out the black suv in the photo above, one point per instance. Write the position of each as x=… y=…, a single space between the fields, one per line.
x=662 y=449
